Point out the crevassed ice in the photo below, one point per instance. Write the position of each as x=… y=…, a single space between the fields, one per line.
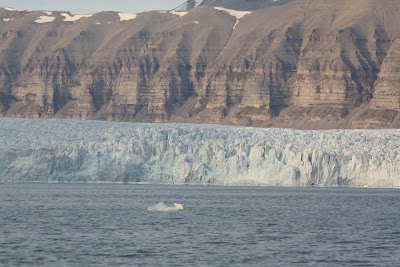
x=91 y=151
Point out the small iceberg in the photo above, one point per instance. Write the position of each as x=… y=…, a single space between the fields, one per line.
x=164 y=208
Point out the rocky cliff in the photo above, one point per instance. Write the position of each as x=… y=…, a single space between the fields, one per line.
x=313 y=64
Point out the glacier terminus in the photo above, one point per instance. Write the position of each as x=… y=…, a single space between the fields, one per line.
x=50 y=150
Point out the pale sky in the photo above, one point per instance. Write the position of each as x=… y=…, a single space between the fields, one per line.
x=92 y=6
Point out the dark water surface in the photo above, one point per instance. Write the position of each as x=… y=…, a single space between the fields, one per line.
x=109 y=225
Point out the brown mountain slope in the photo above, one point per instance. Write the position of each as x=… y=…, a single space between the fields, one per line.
x=313 y=64
x=243 y=4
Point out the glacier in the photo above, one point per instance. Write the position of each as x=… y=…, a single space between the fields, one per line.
x=49 y=150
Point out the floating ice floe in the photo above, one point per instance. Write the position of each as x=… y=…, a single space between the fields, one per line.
x=161 y=207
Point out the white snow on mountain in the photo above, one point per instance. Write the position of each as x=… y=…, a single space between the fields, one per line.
x=68 y=17
x=92 y=151
x=44 y=19
x=179 y=13
x=234 y=13
x=10 y=9
x=125 y=17
x=14 y=10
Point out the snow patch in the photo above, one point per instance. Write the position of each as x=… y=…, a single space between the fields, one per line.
x=13 y=9
x=125 y=17
x=8 y=19
x=234 y=13
x=44 y=19
x=48 y=12
x=10 y=9
x=179 y=13
x=74 y=18
x=195 y=22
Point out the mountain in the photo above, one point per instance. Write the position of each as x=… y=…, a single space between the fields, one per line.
x=309 y=64
x=243 y=5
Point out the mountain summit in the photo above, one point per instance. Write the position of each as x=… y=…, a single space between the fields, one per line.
x=243 y=4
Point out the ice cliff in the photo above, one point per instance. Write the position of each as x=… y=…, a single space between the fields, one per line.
x=91 y=151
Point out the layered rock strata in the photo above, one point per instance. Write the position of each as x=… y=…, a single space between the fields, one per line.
x=304 y=63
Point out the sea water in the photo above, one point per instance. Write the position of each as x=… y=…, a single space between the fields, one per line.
x=109 y=225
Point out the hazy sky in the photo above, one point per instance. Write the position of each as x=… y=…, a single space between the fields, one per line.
x=92 y=6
